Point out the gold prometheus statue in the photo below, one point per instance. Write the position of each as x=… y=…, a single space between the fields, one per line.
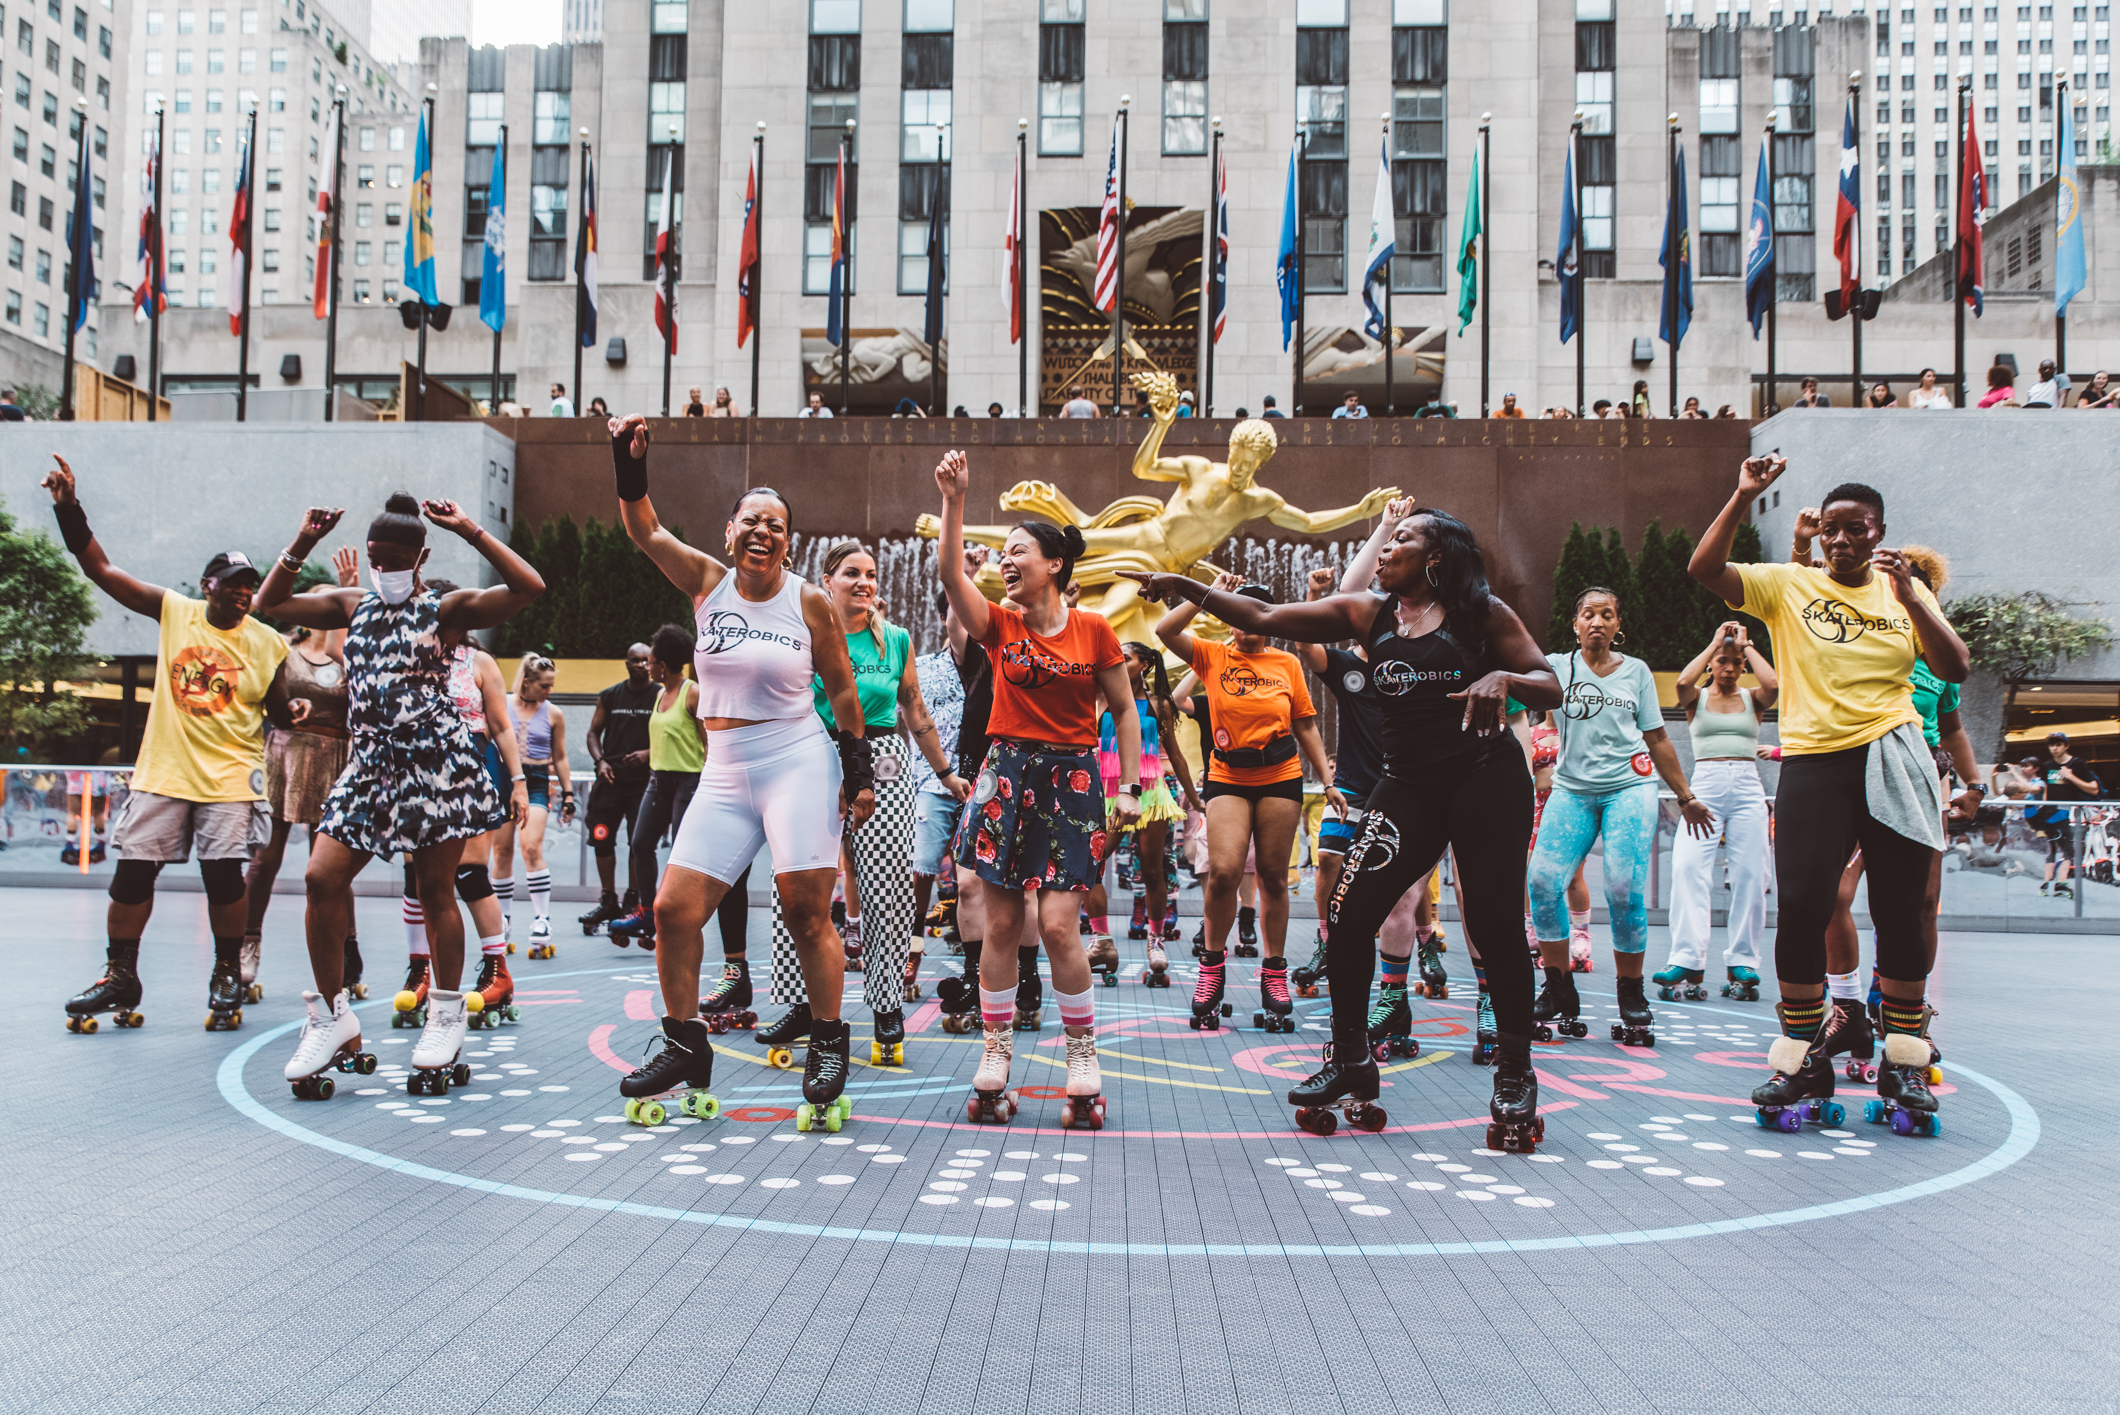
x=1213 y=501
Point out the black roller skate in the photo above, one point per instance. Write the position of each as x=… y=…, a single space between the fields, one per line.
x=354 y=984
x=1847 y=1029
x=1137 y=926
x=636 y=925
x=1514 y=1124
x=1675 y=983
x=728 y=1007
x=1743 y=985
x=824 y=1076
x=780 y=1038
x=1558 y=1010
x=1311 y=974
x=887 y=1047
x=409 y=1007
x=1170 y=915
x=1904 y=1100
x=1199 y=943
x=1030 y=997
x=1801 y=1087
x=607 y=909
x=1348 y=1079
x=224 y=998
x=1208 y=1008
x=1434 y=983
x=1247 y=932
x=1275 y=1004
x=1389 y=1021
x=1635 y=1025
x=960 y=996
x=686 y=1058
x=116 y=992
x=1484 y=1037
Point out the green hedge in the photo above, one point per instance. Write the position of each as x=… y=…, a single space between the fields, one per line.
x=601 y=593
x=1666 y=614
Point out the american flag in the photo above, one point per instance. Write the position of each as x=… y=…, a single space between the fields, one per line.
x=665 y=252
x=150 y=294
x=239 y=237
x=1847 y=214
x=1108 y=219
x=1220 y=274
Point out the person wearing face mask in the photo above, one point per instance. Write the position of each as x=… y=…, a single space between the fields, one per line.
x=200 y=780
x=541 y=736
x=415 y=783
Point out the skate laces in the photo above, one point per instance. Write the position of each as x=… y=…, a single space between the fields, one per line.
x=1081 y=1057
x=1387 y=1003
x=1210 y=983
x=1274 y=983
x=727 y=985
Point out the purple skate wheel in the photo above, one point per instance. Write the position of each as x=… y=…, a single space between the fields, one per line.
x=1902 y=1123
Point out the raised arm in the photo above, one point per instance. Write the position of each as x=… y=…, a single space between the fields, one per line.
x=1689 y=676
x=1149 y=462
x=1363 y=568
x=1945 y=652
x=136 y=595
x=325 y=609
x=953 y=475
x=346 y=568
x=687 y=567
x=1171 y=627
x=1711 y=558
x=1769 y=689
x=1318 y=522
x=1321 y=621
x=1316 y=585
x=1806 y=530
x=496 y=604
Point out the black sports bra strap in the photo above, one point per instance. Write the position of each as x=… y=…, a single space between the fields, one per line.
x=1385 y=624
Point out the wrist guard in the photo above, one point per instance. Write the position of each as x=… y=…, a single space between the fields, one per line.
x=631 y=472
x=73 y=526
x=857 y=764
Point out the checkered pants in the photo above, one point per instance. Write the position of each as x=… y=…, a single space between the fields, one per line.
x=883 y=867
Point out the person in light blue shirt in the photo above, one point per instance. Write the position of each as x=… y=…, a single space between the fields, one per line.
x=1612 y=747
x=1351 y=408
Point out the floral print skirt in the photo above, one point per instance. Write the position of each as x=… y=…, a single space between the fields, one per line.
x=1035 y=820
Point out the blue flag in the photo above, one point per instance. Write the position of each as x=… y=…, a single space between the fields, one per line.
x=419 y=228
x=1677 y=261
x=493 y=276
x=81 y=238
x=1383 y=247
x=1285 y=271
x=1759 y=247
x=1564 y=265
x=2068 y=204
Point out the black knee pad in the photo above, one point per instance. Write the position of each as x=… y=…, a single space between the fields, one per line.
x=224 y=880
x=134 y=881
x=472 y=883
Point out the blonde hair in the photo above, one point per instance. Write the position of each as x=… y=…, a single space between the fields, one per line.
x=528 y=664
x=833 y=559
x=1933 y=564
x=1256 y=435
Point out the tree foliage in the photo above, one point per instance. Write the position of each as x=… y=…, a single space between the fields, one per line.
x=45 y=611
x=2024 y=635
x=601 y=594
x=1667 y=615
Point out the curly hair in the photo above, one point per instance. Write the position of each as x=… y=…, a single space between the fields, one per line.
x=1931 y=566
x=1255 y=435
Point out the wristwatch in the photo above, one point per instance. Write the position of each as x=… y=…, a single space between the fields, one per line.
x=1134 y=790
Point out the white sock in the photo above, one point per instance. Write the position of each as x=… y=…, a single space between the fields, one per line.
x=540 y=886
x=415 y=926
x=1578 y=919
x=1845 y=986
x=496 y=944
x=504 y=890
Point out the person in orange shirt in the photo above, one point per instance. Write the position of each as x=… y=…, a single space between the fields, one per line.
x=1509 y=409
x=1263 y=721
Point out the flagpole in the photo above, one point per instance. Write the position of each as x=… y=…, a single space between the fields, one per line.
x=1486 y=253
x=246 y=179
x=331 y=295
x=1119 y=274
x=493 y=401
x=580 y=293
x=1855 y=315
x=1212 y=234
x=155 y=279
x=1582 y=283
x=1303 y=153
x=846 y=272
x=1389 y=333
x=937 y=215
x=1965 y=99
x=758 y=196
x=74 y=295
x=1671 y=255
x=1767 y=404
x=2062 y=112
x=1023 y=235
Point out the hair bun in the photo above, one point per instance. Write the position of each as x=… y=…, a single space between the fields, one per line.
x=402 y=503
x=1071 y=541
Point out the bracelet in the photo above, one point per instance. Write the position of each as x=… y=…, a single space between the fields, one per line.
x=520 y=777
x=291 y=563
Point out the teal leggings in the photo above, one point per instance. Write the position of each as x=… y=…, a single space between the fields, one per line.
x=1627 y=820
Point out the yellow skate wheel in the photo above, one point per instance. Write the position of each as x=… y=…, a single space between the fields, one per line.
x=475 y=1002
x=780 y=1057
x=897 y=1053
x=1935 y=1075
x=652 y=1113
x=632 y=1112
x=875 y=1053
x=511 y=949
x=703 y=1104
x=405 y=1001
x=802 y=1116
x=88 y=1024
x=360 y=990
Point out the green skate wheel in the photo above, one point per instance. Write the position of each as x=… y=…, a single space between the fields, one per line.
x=702 y=1104
x=831 y=1121
x=512 y=1013
x=802 y=1116
x=652 y=1113
x=844 y=1106
x=632 y=1112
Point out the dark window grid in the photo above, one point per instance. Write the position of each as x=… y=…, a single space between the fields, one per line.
x=1321 y=57
x=817 y=180
x=835 y=63
x=920 y=186
x=1595 y=46
x=1420 y=55
x=1721 y=255
x=1185 y=51
x=926 y=61
x=1721 y=155
x=1060 y=54
x=666 y=58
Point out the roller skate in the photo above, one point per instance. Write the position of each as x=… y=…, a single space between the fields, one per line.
x=1170 y=915
x=1580 y=959
x=70 y=853
x=1199 y=943
x=95 y=853
x=940 y=920
x=1904 y=1100
x=605 y=911
x=1137 y=926
x=638 y=924
x=1348 y=1079
x=960 y=996
x=1085 y=1086
x=1312 y=973
x=546 y=949
x=1675 y=982
x=1634 y=1027
x=684 y=1059
x=1801 y=1087
x=1247 y=932
x=1847 y=1029
x=492 y=998
x=1558 y=1010
x=728 y=1007
x=354 y=984
x=887 y=1047
x=116 y=992
x=247 y=969
x=1743 y=985
x=1389 y=1021
x=1030 y=1001
x=409 y=1008
x=1275 y=1004
x=990 y=1102
x=1514 y=1124
x=1434 y=983
x=224 y=999
x=436 y=1056
x=912 y=978
x=1484 y=1037
x=1157 y=972
x=850 y=937
x=331 y=1041
x=824 y=1077
x=1104 y=958
x=1208 y=1008
x=541 y=937
x=780 y=1038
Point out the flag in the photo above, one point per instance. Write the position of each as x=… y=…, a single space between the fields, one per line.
x=1569 y=274
x=1287 y=272
x=239 y=236
x=81 y=237
x=2068 y=231
x=1759 y=246
x=1011 y=244
x=325 y=188
x=1972 y=212
x=585 y=256
x=938 y=272
x=1468 y=250
x=419 y=230
x=1677 y=261
x=665 y=256
x=747 y=259
x=1847 y=214
x=150 y=292
x=1108 y=218
x=493 y=275
x=1383 y=246
x=1218 y=278
x=834 y=330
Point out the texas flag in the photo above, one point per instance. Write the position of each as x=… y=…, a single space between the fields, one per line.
x=1848 y=213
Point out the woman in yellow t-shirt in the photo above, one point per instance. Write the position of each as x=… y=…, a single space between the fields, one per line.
x=1855 y=772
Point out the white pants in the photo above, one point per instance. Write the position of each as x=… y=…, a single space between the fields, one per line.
x=1731 y=789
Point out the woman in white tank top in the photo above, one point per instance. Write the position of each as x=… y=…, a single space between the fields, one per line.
x=763 y=635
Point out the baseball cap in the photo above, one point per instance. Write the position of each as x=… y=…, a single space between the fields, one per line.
x=2061 y=737
x=232 y=562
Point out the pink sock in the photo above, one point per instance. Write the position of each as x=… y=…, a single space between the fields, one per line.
x=1100 y=923
x=1076 y=1008
x=997 y=1008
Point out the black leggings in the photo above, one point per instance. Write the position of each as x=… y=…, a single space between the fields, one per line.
x=662 y=807
x=1484 y=816
x=1821 y=813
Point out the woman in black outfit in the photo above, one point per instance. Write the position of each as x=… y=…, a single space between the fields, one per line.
x=1445 y=656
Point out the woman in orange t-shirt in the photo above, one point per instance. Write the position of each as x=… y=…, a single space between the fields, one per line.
x=1263 y=719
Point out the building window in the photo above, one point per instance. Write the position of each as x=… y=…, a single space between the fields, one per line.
x=1417 y=122
x=925 y=126
x=1721 y=253
x=663 y=157
x=835 y=74
x=1718 y=105
x=475 y=197
x=1060 y=68
x=551 y=114
x=1184 y=77
x=548 y=211
x=671 y=17
x=912 y=257
x=666 y=108
x=482 y=121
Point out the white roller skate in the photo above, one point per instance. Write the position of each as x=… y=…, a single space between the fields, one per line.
x=331 y=1040
x=990 y=1101
x=435 y=1066
x=247 y=969
x=1085 y=1085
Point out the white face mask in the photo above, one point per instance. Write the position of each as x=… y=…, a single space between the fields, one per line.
x=395 y=586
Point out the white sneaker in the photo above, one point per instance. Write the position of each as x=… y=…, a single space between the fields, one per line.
x=541 y=929
x=443 y=1036
x=330 y=1029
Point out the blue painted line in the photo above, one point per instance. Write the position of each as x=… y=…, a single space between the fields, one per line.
x=2023 y=1136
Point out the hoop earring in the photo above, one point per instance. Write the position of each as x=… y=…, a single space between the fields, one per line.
x=1619 y=638
x=1433 y=581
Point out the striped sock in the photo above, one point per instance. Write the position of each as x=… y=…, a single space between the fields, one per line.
x=1844 y=987
x=540 y=886
x=497 y=944
x=1802 y=1020
x=415 y=926
x=997 y=1009
x=1395 y=970
x=1076 y=1008
x=504 y=890
x=1904 y=1018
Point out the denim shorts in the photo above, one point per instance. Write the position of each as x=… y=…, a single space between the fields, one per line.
x=934 y=822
